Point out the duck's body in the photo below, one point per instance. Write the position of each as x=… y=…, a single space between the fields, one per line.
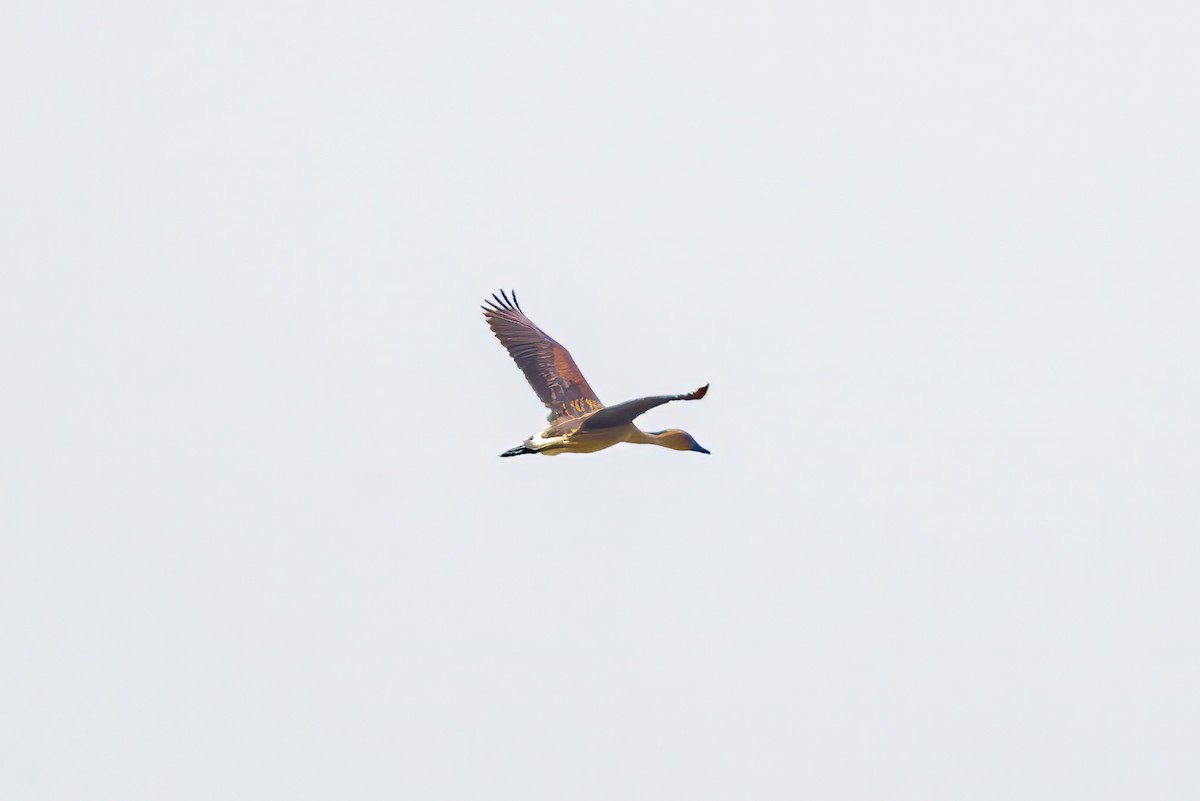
x=552 y=443
x=579 y=422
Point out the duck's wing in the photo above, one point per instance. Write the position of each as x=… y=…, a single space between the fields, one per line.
x=547 y=365
x=623 y=413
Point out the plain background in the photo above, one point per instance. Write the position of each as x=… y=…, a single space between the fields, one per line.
x=938 y=260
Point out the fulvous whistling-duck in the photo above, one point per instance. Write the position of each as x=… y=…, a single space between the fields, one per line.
x=579 y=422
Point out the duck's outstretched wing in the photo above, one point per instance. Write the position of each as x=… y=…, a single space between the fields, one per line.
x=546 y=364
x=623 y=413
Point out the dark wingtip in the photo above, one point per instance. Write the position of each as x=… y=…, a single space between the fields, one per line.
x=496 y=304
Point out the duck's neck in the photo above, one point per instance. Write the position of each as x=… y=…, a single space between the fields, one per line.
x=641 y=437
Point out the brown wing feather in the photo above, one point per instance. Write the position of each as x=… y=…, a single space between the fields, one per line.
x=547 y=365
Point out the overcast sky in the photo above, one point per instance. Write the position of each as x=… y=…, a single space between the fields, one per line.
x=939 y=261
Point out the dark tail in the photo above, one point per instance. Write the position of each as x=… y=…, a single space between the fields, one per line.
x=517 y=451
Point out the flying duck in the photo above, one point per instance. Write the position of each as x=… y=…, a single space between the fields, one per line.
x=579 y=422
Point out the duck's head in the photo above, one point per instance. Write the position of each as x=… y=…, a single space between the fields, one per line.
x=678 y=440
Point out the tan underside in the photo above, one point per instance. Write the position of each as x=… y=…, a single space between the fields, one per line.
x=592 y=441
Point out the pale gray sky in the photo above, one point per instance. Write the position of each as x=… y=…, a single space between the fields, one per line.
x=938 y=260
